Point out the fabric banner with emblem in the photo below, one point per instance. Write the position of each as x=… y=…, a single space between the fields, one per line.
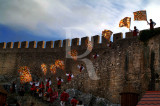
x=125 y=22
x=107 y=34
x=140 y=15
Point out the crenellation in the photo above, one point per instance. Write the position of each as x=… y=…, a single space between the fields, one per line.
x=40 y=44
x=117 y=65
x=57 y=44
x=66 y=42
x=104 y=41
x=49 y=44
x=32 y=44
x=9 y=45
x=75 y=42
x=24 y=44
x=117 y=36
x=95 y=39
x=2 y=45
x=129 y=35
x=17 y=44
x=84 y=41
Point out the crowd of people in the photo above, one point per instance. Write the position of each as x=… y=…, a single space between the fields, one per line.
x=45 y=91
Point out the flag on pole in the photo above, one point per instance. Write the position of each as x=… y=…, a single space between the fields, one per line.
x=107 y=34
x=140 y=15
x=125 y=22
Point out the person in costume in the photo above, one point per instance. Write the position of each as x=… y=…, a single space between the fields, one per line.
x=53 y=96
x=64 y=98
x=59 y=82
x=81 y=67
x=95 y=55
x=70 y=76
x=152 y=24
x=48 y=83
x=74 y=101
x=135 y=31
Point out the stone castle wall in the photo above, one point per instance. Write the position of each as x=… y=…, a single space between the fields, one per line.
x=126 y=61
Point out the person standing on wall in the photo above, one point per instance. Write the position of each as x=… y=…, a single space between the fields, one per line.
x=152 y=24
x=135 y=31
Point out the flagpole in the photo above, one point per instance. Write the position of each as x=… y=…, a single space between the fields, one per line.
x=146 y=16
x=130 y=24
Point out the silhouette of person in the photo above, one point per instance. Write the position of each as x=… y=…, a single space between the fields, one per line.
x=152 y=24
x=135 y=31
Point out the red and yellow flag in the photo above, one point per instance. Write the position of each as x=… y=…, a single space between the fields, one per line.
x=25 y=75
x=140 y=15
x=107 y=34
x=126 y=22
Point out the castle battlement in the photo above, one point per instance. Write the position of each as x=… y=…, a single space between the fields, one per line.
x=127 y=61
x=66 y=42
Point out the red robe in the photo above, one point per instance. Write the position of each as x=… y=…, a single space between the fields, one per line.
x=74 y=102
x=33 y=88
x=59 y=82
x=41 y=86
x=54 y=96
x=50 y=90
x=47 y=85
x=69 y=77
x=64 y=96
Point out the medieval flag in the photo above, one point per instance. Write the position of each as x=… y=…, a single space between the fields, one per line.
x=44 y=68
x=140 y=15
x=107 y=34
x=25 y=75
x=126 y=22
x=53 y=68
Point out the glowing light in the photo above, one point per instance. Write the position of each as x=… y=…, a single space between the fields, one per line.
x=53 y=68
x=25 y=75
x=73 y=54
x=44 y=68
x=59 y=64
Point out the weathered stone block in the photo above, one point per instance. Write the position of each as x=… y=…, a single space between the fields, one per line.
x=75 y=42
x=49 y=44
x=16 y=45
x=129 y=35
x=66 y=42
x=117 y=37
x=9 y=45
x=32 y=44
x=24 y=44
x=95 y=40
x=2 y=45
x=40 y=44
x=57 y=44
